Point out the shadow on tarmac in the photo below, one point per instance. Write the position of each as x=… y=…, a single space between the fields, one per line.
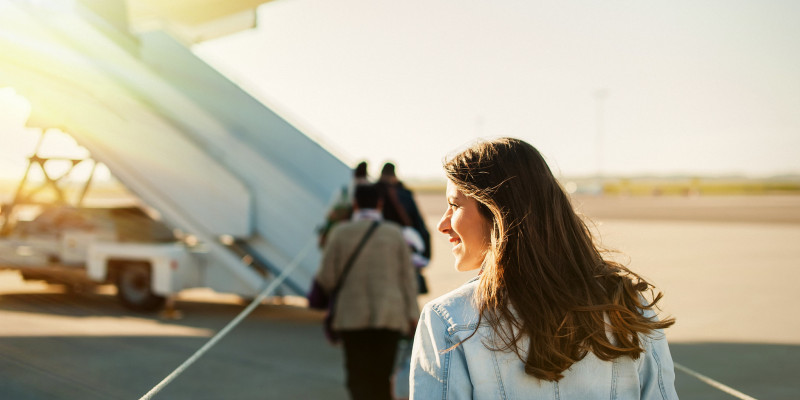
x=278 y=352
x=762 y=371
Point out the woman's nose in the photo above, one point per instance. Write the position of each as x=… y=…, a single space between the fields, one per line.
x=444 y=223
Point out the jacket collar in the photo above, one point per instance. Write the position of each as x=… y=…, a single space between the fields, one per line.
x=367 y=214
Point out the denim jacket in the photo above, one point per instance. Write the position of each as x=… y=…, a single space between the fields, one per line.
x=471 y=371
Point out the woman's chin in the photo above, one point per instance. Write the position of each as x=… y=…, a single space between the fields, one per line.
x=465 y=267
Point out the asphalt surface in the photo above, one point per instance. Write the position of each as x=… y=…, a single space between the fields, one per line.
x=729 y=281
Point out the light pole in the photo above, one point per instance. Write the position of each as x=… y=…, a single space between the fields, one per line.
x=600 y=96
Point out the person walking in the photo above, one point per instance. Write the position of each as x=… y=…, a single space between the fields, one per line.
x=547 y=316
x=376 y=301
x=400 y=207
x=341 y=208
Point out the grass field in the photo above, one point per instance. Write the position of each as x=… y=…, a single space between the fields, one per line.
x=649 y=186
x=698 y=186
x=615 y=186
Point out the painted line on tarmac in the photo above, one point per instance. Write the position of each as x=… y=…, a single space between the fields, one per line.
x=234 y=322
x=727 y=389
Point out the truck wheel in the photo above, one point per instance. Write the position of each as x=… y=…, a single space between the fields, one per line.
x=134 y=287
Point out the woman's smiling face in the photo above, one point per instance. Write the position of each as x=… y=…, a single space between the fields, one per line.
x=467 y=227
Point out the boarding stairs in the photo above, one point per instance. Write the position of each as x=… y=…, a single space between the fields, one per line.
x=210 y=158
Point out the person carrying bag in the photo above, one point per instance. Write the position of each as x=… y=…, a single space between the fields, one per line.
x=367 y=270
x=319 y=300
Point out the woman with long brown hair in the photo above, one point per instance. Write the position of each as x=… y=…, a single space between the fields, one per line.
x=547 y=316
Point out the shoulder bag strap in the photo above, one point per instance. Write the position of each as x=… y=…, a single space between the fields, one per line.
x=353 y=256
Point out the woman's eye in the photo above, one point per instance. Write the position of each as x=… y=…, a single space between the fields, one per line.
x=453 y=206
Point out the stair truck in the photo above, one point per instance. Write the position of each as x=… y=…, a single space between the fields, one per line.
x=244 y=188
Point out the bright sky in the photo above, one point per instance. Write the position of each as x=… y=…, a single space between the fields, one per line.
x=691 y=87
x=709 y=87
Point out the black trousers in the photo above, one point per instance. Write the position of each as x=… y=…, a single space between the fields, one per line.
x=369 y=360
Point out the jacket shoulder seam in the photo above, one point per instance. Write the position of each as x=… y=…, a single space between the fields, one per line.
x=452 y=327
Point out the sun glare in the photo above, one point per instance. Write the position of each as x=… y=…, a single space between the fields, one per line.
x=68 y=162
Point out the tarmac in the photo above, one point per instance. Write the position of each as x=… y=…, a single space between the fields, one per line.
x=728 y=267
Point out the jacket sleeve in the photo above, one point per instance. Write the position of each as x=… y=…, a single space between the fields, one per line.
x=656 y=370
x=408 y=278
x=419 y=225
x=326 y=276
x=436 y=374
